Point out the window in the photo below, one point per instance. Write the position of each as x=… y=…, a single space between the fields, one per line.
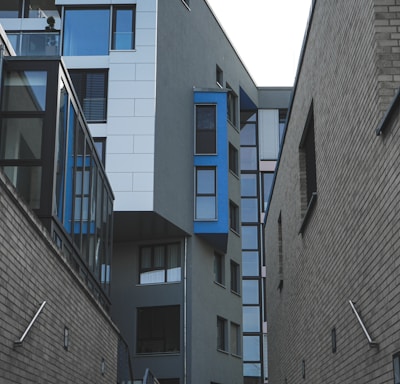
x=91 y=88
x=232 y=105
x=28 y=8
x=282 y=123
x=307 y=152
x=249 y=210
x=333 y=337
x=250 y=263
x=10 y=9
x=396 y=368
x=158 y=329
x=233 y=159
x=206 y=140
x=219 y=272
x=251 y=348
x=267 y=180
x=219 y=77
x=160 y=263
x=100 y=145
x=206 y=193
x=235 y=277
x=250 y=292
x=222 y=334
x=250 y=237
x=94 y=23
x=234 y=216
x=251 y=319
x=123 y=33
x=235 y=339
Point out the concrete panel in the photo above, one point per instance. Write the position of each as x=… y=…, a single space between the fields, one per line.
x=143 y=181
x=145 y=107
x=119 y=144
x=121 y=107
x=143 y=144
x=123 y=71
x=120 y=182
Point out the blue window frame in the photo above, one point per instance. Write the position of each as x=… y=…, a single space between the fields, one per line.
x=206 y=193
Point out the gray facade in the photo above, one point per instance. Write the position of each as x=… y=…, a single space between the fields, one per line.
x=332 y=228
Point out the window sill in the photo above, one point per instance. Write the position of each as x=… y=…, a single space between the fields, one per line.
x=236 y=293
x=161 y=283
x=219 y=284
x=146 y=354
x=223 y=351
x=235 y=232
x=236 y=356
x=310 y=208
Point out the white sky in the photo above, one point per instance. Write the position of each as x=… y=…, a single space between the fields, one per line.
x=267 y=34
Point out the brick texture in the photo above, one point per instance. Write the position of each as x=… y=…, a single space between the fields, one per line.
x=32 y=271
x=350 y=247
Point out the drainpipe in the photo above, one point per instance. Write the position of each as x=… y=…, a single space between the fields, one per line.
x=1 y=62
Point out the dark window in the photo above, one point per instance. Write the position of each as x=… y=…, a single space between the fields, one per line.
x=333 y=336
x=282 y=122
x=219 y=273
x=91 y=88
x=219 y=76
x=158 y=329
x=10 y=9
x=123 y=36
x=235 y=339
x=234 y=216
x=307 y=148
x=206 y=193
x=235 y=277
x=222 y=332
x=100 y=145
x=206 y=139
x=233 y=159
x=396 y=368
x=267 y=180
x=160 y=263
x=303 y=369
x=232 y=105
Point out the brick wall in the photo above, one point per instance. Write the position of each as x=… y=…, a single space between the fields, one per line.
x=32 y=271
x=350 y=246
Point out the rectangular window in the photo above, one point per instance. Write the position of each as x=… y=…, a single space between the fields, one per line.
x=123 y=33
x=160 y=264
x=219 y=272
x=100 y=145
x=232 y=105
x=91 y=88
x=206 y=193
x=222 y=331
x=235 y=337
x=234 y=216
x=219 y=77
x=10 y=9
x=158 y=329
x=396 y=368
x=94 y=24
x=233 y=159
x=206 y=129
x=235 y=277
x=267 y=180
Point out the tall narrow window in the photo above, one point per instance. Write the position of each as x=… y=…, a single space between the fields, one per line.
x=10 y=9
x=206 y=139
x=235 y=277
x=219 y=76
x=233 y=159
x=91 y=88
x=396 y=368
x=222 y=331
x=234 y=217
x=232 y=105
x=206 y=193
x=123 y=33
x=219 y=272
x=235 y=339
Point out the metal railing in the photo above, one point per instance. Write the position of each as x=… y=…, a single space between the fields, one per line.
x=35 y=43
x=149 y=378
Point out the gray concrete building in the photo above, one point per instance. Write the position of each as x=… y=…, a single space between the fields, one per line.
x=332 y=235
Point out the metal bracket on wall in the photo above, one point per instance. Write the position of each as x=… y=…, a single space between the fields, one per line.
x=372 y=344
x=18 y=343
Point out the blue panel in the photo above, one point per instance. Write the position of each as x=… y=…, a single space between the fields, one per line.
x=220 y=161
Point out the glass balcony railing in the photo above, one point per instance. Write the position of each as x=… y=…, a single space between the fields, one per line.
x=35 y=43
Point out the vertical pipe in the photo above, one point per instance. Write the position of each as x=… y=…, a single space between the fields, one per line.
x=185 y=314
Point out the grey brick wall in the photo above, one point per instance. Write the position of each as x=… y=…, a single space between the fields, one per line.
x=350 y=247
x=32 y=271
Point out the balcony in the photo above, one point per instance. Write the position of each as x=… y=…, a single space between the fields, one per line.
x=35 y=43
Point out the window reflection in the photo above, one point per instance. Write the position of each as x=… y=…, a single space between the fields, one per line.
x=251 y=319
x=250 y=292
x=250 y=237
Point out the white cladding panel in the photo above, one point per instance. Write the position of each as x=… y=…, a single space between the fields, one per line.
x=268 y=128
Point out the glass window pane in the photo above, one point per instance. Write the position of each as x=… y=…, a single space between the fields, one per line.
x=206 y=181
x=251 y=348
x=248 y=184
x=248 y=158
x=252 y=370
x=206 y=207
x=248 y=134
x=27 y=181
x=206 y=129
x=42 y=8
x=94 y=23
x=25 y=91
x=250 y=263
x=10 y=9
x=173 y=263
x=250 y=292
x=21 y=138
x=267 y=185
x=251 y=319
x=123 y=28
x=249 y=210
x=250 y=237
